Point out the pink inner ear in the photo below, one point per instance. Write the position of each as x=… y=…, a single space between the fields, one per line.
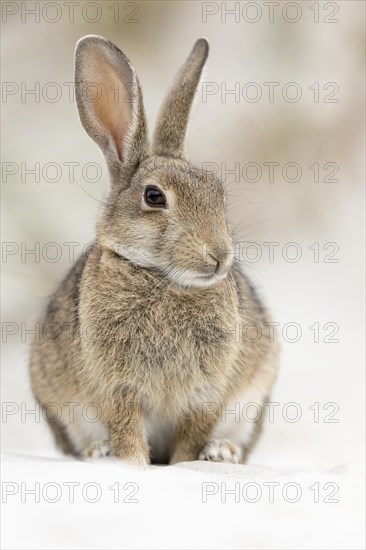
x=111 y=103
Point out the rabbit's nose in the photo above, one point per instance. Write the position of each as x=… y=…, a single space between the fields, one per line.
x=216 y=261
x=219 y=259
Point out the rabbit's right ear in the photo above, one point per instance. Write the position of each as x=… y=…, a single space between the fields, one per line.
x=109 y=101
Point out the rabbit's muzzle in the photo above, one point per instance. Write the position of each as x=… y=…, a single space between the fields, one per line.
x=218 y=259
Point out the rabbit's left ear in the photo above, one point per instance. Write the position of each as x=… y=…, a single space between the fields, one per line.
x=172 y=123
x=109 y=101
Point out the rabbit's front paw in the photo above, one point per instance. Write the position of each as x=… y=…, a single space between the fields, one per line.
x=221 y=450
x=98 y=449
x=136 y=460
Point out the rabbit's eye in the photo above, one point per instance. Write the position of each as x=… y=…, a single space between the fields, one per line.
x=154 y=197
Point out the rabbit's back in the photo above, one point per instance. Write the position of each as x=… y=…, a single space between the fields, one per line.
x=52 y=369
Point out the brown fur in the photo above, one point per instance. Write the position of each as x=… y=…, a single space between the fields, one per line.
x=147 y=321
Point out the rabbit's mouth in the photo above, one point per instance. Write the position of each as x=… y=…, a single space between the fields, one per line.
x=191 y=279
x=210 y=275
x=209 y=280
x=210 y=272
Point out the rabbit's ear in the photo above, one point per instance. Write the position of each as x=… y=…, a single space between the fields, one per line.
x=171 y=126
x=109 y=101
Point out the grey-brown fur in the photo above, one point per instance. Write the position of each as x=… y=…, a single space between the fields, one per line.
x=146 y=324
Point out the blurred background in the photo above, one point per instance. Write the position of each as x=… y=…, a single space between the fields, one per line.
x=288 y=144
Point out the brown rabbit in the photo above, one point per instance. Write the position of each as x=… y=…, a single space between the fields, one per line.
x=149 y=325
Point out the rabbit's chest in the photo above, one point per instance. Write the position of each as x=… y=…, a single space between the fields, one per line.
x=174 y=347
x=178 y=352
x=171 y=332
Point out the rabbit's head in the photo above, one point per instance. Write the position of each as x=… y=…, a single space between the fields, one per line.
x=161 y=213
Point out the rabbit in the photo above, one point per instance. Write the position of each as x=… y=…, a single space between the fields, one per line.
x=148 y=326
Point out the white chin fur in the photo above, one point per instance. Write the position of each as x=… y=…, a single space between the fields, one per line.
x=135 y=255
x=181 y=277
x=189 y=279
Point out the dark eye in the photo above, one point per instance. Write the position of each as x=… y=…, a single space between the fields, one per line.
x=154 y=197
